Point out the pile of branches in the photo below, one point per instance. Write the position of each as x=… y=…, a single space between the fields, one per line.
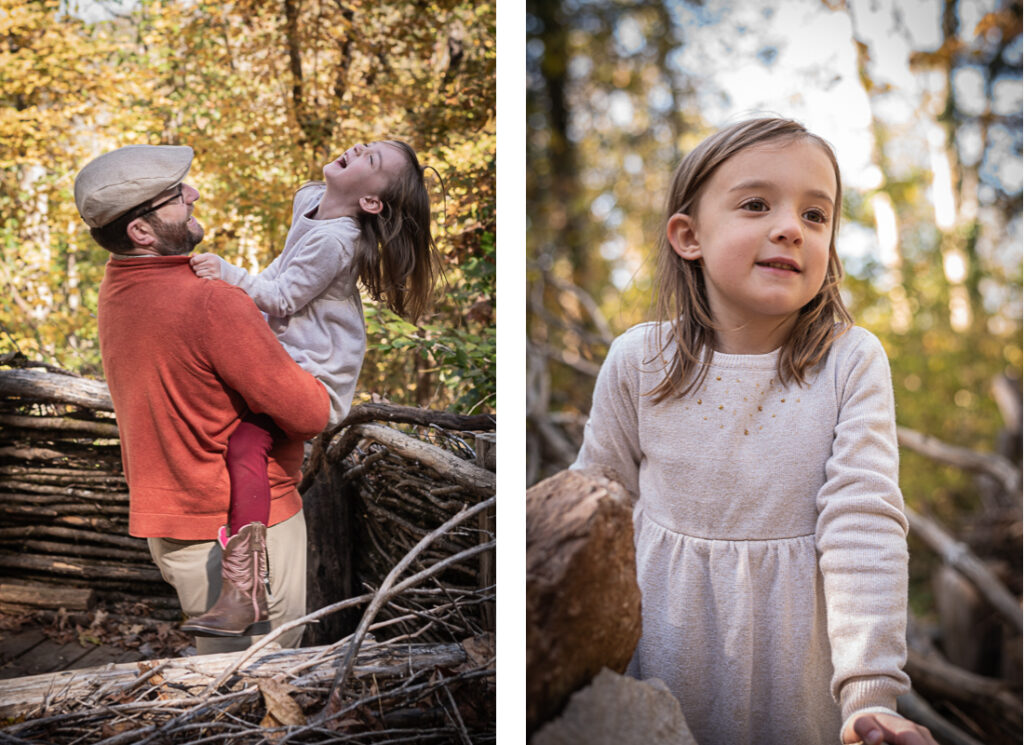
x=403 y=482
x=357 y=689
x=63 y=498
x=419 y=665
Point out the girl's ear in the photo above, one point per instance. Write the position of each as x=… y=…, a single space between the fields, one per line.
x=373 y=205
x=140 y=232
x=682 y=236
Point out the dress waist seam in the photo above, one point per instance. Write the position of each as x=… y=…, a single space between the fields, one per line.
x=646 y=515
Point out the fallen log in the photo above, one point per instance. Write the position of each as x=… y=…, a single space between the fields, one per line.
x=582 y=597
x=23 y=453
x=34 y=487
x=102 y=524
x=52 y=505
x=81 y=568
x=31 y=596
x=183 y=679
x=37 y=385
x=74 y=549
x=62 y=425
x=413 y=415
x=473 y=478
x=64 y=475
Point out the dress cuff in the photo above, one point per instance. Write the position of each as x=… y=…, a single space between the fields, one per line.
x=230 y=273
x=868 y=710
x=868 y=692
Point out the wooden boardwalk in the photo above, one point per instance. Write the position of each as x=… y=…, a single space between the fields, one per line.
x=29 y=652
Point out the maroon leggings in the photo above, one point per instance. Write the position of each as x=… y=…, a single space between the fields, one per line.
x=247 y=453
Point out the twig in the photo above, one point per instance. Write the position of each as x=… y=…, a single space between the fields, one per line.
x=463 y=734
x=915 y=708
x=961 y=558
x=1006 y=474
x=386 y=590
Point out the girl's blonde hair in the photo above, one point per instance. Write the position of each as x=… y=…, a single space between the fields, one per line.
x=682 y=299
x=401 y=261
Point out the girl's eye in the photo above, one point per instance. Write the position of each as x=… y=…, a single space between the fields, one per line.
x=816 y=216
x=756 y=205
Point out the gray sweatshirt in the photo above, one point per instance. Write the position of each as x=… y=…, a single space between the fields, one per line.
x=311 y=298
x=770 y=537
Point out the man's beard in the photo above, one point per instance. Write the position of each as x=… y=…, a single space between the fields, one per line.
x=175 y=238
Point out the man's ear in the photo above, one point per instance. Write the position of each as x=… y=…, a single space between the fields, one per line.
x=140 y=232
x=682 y=236
x=373 y=205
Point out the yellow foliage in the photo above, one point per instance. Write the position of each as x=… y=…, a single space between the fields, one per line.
x=265 y=93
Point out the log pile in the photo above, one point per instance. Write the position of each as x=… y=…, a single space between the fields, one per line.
x=424 y=585
x=63 y=499
x=392 y=691
x=965 y=658
x=355 y=690
x=399 y=484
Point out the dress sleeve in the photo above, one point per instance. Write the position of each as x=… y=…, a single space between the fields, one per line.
x=611 y=437
x=284 y=288
x=861 y=535
x=246 y=355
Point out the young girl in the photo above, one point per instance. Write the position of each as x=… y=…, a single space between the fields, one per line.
x=756 y=425
x=369 y=220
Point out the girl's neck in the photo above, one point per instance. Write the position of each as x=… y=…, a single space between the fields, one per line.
x=333 y=205
x=753 y=338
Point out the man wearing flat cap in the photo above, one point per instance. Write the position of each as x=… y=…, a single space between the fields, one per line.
x=184 y=358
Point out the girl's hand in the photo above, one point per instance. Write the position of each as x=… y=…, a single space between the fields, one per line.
x=206 y=266
x=878 y=728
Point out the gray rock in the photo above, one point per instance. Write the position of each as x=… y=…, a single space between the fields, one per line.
x=618 y=710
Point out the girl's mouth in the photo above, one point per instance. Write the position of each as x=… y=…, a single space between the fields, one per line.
x=783 y=264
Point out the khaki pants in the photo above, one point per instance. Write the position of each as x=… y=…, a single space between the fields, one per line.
x=193 y=569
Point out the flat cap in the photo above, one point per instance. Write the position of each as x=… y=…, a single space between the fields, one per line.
x=110 y=185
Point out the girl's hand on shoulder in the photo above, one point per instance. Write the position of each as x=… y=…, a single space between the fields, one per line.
x=879 y=728
x=206 y=266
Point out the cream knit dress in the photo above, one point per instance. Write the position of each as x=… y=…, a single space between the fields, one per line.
x=311 y=298
x=770 y=537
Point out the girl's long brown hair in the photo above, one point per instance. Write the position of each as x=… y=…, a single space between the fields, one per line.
x=400 y=261
x=682 y=301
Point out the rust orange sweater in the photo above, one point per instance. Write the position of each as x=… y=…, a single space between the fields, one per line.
x=184 y=358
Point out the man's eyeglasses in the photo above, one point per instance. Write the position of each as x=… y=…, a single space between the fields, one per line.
x=155 y=207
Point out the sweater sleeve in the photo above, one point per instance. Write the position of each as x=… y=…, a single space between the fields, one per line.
x=247 y=356
x=861 y=536
x=611 y=437
x=283 y=290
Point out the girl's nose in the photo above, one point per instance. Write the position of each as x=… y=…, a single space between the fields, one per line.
x=788 y=229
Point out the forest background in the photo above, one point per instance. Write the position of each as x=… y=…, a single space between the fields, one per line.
x=265 y=93
x=922 y=101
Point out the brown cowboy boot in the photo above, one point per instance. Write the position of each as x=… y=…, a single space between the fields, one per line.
x=241 y=609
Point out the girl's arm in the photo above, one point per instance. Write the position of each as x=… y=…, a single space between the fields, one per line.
x=285 y=288
x=861 y=533
x=611 y=436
